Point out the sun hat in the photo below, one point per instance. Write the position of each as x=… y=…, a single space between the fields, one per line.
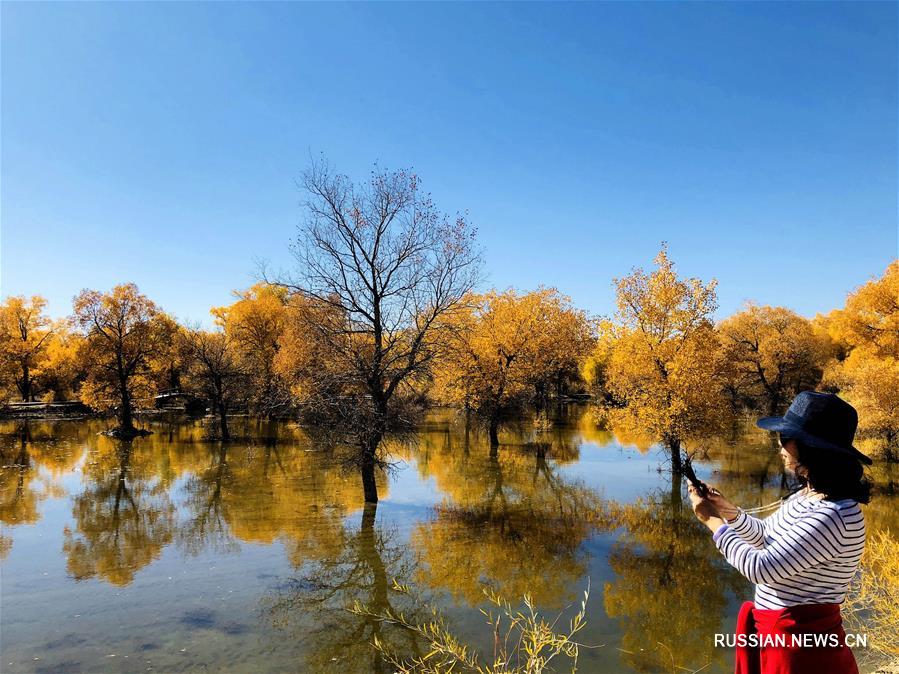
x=822 y=420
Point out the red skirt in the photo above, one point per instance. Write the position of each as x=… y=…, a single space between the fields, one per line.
x=785 y=654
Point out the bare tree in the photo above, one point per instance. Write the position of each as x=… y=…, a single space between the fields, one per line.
x=380 y=265
x=214 y=368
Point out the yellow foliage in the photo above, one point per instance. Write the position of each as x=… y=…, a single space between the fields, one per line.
x=255 y=323
x=504 y=346
x=303 y=362
x=126 y=338
x=59 y=376
x=24 y=335
x=870 y=318
x=867 y=333
x=871 y=383
x=872 y=605
x=663 y=365
x=770 y=354
x=596 y=364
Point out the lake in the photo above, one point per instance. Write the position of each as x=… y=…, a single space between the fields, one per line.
x=176 y=554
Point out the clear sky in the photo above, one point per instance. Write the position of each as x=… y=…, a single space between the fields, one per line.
x=160 y=143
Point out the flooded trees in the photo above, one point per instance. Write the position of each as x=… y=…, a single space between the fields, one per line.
x=124 y=332
x=662 y=368
x=215 y=369
x=505 y=348
x=385 y=265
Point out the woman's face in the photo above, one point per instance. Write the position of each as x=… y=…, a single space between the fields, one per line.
x=789 y=454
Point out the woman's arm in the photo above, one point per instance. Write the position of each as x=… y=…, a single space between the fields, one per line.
x=814 y=538
x=749 y=528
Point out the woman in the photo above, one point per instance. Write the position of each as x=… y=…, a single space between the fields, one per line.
x=802 y=557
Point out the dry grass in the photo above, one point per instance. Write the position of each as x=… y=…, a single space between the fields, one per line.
x=872 y=604
x=524 y=641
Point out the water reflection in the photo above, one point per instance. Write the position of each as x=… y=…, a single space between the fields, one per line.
x=32 y=459
x=180 y=553
x=362 y=569
x=123 y=518
x=503 y=517
x=671 y=585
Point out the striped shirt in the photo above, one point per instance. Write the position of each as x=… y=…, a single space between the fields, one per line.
x=805 y=553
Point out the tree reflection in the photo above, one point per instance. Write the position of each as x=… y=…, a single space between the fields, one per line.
x=361 y=569
x=123 y=519
x=207 y=524
x=506 y=517
x=671 y=589
x=24 y=452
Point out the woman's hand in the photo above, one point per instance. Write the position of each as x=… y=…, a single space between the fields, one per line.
x=724 y=508
x=704 y=509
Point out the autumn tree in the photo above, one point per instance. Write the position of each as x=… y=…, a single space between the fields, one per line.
x=214 y=368
x=870 y=318
x=770 y=354
x=503 y=347
x=123 y=335
x=25 y=331
x=662 y=370
x=595 y=367
x=872 y=385
x=866 y=369
x=62 y=370
x=389 y=265
x=254 y=325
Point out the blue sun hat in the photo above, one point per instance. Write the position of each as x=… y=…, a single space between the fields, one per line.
x=822 y=420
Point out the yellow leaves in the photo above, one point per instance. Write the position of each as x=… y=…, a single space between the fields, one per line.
x=125 y=335
x=503 y=344
x=662 y=305
x=59 y=374
x=770 y=354
x=870 y=318
x=255 y=323
x=872 y=605
x=871 y=383
x=662 y=363
x=24 y=333
x=866 y=370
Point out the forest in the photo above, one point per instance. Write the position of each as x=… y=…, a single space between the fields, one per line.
x=383 y=318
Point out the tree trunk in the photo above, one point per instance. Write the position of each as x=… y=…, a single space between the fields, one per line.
x=773 y=405
x=369 y=486
x=126 y=422
x=223 y=421
x=467 y=445
x=677 y=498
x=25 y=388
x=379 y=600
x=677 y=465
x=494 y=430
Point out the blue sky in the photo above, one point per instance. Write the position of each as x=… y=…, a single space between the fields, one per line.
x=160 y=143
